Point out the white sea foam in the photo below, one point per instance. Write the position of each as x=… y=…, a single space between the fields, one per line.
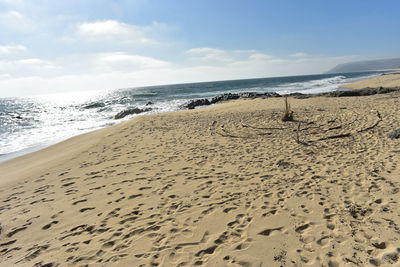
x=313 y=86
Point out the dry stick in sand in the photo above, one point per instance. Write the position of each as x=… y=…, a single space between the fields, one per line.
x=297 y=138
x=334 y=136
x=288 y=116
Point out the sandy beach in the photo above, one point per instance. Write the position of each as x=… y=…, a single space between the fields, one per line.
x=227 y=185
x=385 y=80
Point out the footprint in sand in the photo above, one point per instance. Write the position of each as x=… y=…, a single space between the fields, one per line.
x=79 y=201
x=47 y=226
x=267 y=232
x=86 y=209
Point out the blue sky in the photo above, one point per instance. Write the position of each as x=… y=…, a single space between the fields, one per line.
x=51 y=46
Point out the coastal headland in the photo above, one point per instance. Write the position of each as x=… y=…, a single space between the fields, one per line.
x=226 y=185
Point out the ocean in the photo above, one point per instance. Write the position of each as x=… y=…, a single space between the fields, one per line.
x=33 y=122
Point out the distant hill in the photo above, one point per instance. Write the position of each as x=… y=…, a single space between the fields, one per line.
x=370 y=65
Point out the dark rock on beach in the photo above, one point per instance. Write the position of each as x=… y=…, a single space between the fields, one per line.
x=225 y=97
x=395 y=134
x=198 y=102
x=130 y=111
x=299 y=95
x=257 y=95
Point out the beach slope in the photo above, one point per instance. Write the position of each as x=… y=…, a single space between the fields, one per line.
x=390 y=80
x=228 y=185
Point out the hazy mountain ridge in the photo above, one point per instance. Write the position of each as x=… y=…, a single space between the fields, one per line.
x=369 y=65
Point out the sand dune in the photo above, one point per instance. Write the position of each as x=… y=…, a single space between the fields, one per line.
x=227 y=185
x=385 y=80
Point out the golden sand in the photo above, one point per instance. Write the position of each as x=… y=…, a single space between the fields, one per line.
x=229 y=185
x=385 y=80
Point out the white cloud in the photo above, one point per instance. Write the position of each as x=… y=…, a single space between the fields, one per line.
x=115 y=31
x=210 y=55
x=12 y=49
x=14 y=20
x=12 y=15
x=260 y=56
x=119 y=61
x=204 y=51
x=32 y=62
x=26 y=67
x=104 y=28
x=249 y=51
x=299 y=54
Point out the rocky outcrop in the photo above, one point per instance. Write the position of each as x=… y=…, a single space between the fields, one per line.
x=198 y=102
x=362 y=92
x=341 y=93
x=225 y=97
x=130 y=111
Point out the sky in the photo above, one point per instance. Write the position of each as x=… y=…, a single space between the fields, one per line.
x=50 y=46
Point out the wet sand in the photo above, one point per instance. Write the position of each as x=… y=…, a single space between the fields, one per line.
x=228 y=185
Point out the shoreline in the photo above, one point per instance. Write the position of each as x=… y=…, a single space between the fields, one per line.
x=22 y=152
x=189 y=104
x=98 y=110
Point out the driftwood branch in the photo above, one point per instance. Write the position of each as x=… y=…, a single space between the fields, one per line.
x=334 y=136
x=335 y=128
x=374 y=125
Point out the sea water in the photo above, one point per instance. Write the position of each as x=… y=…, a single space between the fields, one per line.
x=32 y=122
